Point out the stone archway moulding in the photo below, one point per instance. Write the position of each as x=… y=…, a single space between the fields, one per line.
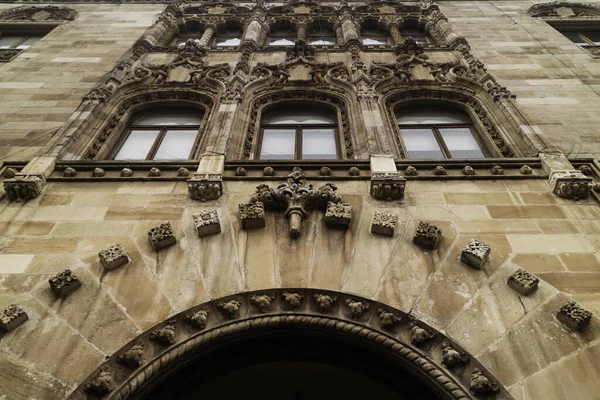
x=174 y=343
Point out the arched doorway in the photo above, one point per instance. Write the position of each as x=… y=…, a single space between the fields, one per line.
x=295 y=344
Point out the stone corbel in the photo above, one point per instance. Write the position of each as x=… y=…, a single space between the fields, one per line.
x=565 y=181
x=207 y=182
x=31 y=181
x=386 y=182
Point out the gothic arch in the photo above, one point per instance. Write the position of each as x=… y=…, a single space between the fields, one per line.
x=428 y=355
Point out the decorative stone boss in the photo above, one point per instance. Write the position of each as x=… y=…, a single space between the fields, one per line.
x=296 y=197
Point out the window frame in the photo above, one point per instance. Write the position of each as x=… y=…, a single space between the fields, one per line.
x=298 y=138
x=578 y=27
x=25 y=37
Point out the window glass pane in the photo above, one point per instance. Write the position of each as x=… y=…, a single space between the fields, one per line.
x=574 y=37
x=318 y=144
x=281 y=42
x=176 y=145
x=369 y=41
x=278 y=144
x=298 y=116
x=168 y=116
x=421 y=143
x=226 y=42
x=461 y=143
x=7 y=41
x=322 y=41
x=137 y=145
x=420 y=116
x=594 y=36
x=29 y=42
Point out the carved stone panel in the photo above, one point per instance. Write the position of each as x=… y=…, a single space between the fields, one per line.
x=419 y=335
x=231 y=308
x=162 y=236
x=113 y=257
x=165 y=336
x=205 y=187
x=198 y=319
x=427 y=235
x=387 y=185
x=523 y=282
x=207 y=222
x=338 y=216
x=387 y=318
x=384 y=223
x=24 y=186
x=292 y=299
x=480 y=384
x=574 y=316
x=570 y=184
x=451 y=356
x=262 y=302
x=356 y=308
x=252 y=215
x=11 y=317
x=324 y=301
x=475 y=254
x=64 y=283
x=133 y=357
x=102 y=384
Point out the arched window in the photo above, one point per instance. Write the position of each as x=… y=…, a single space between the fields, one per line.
x=429 y=132
x=160 y=134
x=298 y=133
x=320 y=33
x=282 y=34
x=410 y=28
x=228 y=34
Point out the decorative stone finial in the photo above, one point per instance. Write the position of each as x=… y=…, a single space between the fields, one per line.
x=475 y=254
x=262 y=302
x=293 y=300
x=338 y=215
x=64 y=283
x=419 y=335
x=198 y=319
x=98 y=172
x=324 y=301
x=11 y=317
x=384 y=223
x=165 y=335
x=523 y=282
x=207 y=222
x=450 y=356
x=134 y=357
x=356 y=308
x=69 y=172
x=427 y=235
x=574 y=316
x=102 y=384
x=231 y=308
x=126 y=172
x=162 y=236
x=480 y=384
x=252 y=215
x=113 y=257
x=387 y=318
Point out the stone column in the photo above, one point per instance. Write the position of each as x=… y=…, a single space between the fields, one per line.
x=439 y=28
x=395 y=33
x=301 y=31
x=207 y=36
x=349 y=30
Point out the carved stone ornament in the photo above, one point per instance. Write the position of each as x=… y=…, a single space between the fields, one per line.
x=419 y=335
x=325 y=171
x=411 y=171
x=384 y=223
x=102 y=384
x=205 y=187
x=439 y=170
x=69 y=172
x=292 y=300
x=586 y=170
x=387 y=185
x=154 y=172
x=240 y=171
x=126 y=172
x=113 y=257
x=252 y=215
x=475 y=254
x=207 y=222
x=162 y=236
x=183 y=172
x=574 y=316
x=98 y=172
x=64 y=283
x=570 y=184
x=38 y=14
x=324 y=301
x=564 y=10
x=268 y=171
x=451 y=356
x=11 y=317
x=523 y=282
x=353 y=171
x=133 y=357
x=231 y=308
x=7 y=55
x=262 y=302
x=526 y=170
x=197 y=319
x=297 y=196
x=468 y=170
x=356 y=308
x=166 y=335
x=480 y=384
x=338 y=216
x=497 y=170
x=387 y=318
x=427 y=235
x=10 y=173
x=24 y=187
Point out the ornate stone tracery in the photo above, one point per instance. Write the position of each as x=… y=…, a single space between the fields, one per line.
x=33 y=14
x=564 y=9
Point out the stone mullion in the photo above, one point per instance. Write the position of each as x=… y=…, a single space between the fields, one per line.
x=219 y=139
x=207 y=36
x=339 y=34
x=395 y=33
x=301 y=31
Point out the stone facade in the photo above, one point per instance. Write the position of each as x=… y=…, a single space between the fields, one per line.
x=533 y=98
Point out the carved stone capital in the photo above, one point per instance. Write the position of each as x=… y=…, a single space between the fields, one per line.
x=11 y=317
x=387 y=185
x=252 y=215
x=205 y=187
x=207 y=222
x=570 y=184
x=384 y=223
x=162 y=236
x=574 y=316
x=523 y=282
x=475 y=254
x=338 y=216
x=24 y=186
x=64 y=283
x=113 y=257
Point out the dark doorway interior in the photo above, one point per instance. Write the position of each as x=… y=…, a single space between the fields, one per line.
x=292 y=368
